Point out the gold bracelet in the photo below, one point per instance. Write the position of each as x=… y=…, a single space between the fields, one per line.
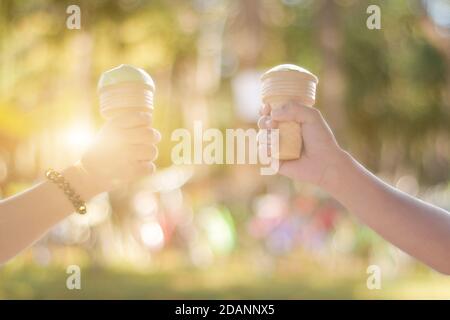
x=60 y=181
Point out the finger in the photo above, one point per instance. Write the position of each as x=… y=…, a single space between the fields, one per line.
x=145 y=168
x=141 y=135
x=139 y=169
x=262 y=122
x=272 y=124
x=263 y=136
x=267 y=122
x=142 y=152
x=296 y=112
x=157 y=135
x=264 y=110
x=264 y=149
x=130 y=120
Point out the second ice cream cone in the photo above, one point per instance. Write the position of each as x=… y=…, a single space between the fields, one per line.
x=281 y=85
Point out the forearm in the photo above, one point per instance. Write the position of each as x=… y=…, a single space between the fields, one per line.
x=416 y=227
x=24 y=218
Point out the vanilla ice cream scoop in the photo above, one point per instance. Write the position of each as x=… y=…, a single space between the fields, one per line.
x=125 y=89
x=279 y=86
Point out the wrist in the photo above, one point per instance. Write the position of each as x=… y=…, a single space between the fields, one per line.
x=83 y=183
x=334 y=174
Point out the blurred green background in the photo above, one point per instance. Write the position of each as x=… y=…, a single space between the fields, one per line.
x=224 y=231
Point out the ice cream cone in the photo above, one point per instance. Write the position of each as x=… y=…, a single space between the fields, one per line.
x=125 y=89
x=281 y=85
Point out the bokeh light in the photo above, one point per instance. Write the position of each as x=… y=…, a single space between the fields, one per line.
x=152 y=235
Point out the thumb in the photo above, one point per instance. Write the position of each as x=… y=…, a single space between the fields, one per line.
x=295 y=112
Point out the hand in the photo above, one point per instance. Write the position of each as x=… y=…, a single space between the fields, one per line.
x=320 y=151
x=123 y=151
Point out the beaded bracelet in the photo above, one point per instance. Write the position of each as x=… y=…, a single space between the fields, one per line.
x=60 y=181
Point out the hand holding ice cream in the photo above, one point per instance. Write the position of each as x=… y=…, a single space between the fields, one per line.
x=307 y=146
x=125 y=147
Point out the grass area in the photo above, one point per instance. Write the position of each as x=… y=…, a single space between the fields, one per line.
x=27 y=281
x=32 y=283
